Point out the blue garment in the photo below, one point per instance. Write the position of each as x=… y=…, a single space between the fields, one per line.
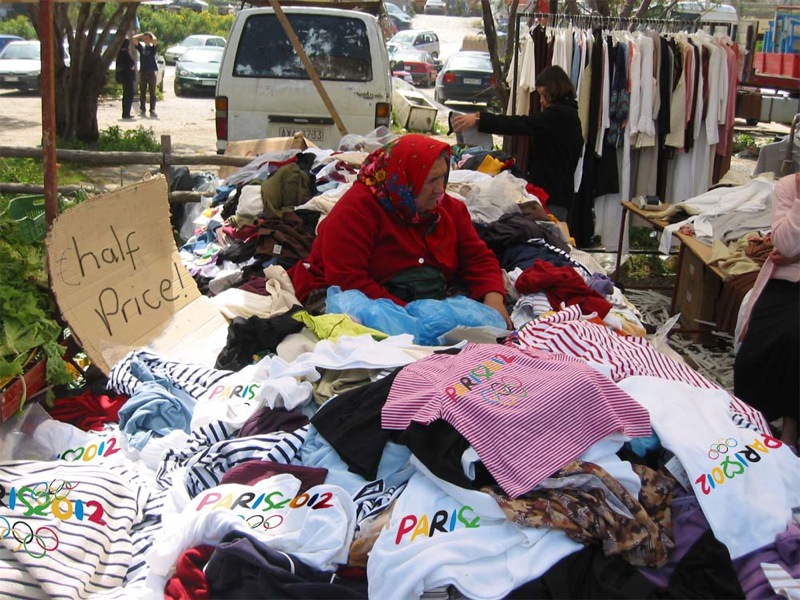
x=156 y=408
x=426 y=320
x=601 y=284
x=575 y=69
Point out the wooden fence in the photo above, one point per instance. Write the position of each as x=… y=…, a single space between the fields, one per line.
x=164 y=159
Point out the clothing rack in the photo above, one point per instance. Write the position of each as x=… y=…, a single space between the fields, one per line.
x=610 y=22
x=615 y=22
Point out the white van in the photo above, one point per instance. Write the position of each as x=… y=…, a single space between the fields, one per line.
x=263 y=88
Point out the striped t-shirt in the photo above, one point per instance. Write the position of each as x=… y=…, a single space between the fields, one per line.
x=525 y=413
x=67 y=529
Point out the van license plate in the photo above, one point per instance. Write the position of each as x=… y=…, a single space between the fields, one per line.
x=312 y=135
x=472 y=81
x=11 y=79
x=209 y=82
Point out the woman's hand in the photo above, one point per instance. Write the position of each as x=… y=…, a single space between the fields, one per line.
x=781 y=260
x=465 y=121
x=495 y=300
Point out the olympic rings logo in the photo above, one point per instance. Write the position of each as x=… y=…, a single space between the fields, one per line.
x=721 y=447
x=256 y=521
x=45 y=538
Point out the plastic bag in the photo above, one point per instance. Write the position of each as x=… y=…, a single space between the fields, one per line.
x=381 y=314
x=437 y=317
x=367 y=143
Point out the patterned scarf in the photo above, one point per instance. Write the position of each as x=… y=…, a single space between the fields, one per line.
x=395 y=175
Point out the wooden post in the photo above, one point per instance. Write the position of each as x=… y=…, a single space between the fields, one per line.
x=47 y=88
x=312 y=72
x=166 y=151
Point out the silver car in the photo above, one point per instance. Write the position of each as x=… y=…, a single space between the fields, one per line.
x=173 y=53
x=21 y=65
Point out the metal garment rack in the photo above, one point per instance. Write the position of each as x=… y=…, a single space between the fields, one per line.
x=611 y=23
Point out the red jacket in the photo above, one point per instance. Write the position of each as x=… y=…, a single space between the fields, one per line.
x=359 y=246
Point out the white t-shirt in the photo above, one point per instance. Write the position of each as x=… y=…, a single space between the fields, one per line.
x=316 y=526
x=747 y=483
x=440 y=534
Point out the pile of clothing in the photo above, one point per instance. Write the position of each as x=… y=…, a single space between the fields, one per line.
x=351 y=456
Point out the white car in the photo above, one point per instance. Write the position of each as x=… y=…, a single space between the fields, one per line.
x=173 y=53
x=21 y=65
x=424 y=41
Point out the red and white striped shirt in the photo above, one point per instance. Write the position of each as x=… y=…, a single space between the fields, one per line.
x=566 y=333
x=526 y=413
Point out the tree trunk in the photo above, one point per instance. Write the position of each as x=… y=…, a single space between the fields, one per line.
x=491 y=43
x=80 y=81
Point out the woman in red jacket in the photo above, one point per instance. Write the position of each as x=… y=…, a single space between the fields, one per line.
x=396 y=234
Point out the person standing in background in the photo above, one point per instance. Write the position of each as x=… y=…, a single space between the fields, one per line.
x=766 y=371
x=148 y=70
x=126 y=77
x=556 y=141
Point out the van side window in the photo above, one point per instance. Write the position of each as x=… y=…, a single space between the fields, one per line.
x=338 y=47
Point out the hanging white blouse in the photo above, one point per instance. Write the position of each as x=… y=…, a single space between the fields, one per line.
x=646 y=123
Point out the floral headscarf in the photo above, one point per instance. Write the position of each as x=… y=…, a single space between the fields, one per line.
x=395 y=174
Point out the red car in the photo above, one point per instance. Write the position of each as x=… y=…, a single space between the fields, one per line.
x=421 y=65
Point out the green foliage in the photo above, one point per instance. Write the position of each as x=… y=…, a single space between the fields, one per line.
x=172 y=27
x=19 y=25
x=643 y=238
x=114 y=139
x=741 y=141
x=26 y=308
x=648 y=267
x=20 y=170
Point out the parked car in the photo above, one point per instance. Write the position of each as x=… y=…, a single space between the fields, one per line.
x=435 y=7
x=21 y=65
x=195 y=5
x=173 y=53
x=198 y=70
x=466 y=77
x=420 y=65
x=424 y=41
x=7 y=39
x=401 y=20
x=399 y=71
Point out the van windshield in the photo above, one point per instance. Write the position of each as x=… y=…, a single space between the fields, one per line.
x=338 y=47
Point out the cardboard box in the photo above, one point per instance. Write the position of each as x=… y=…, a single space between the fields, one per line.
x=255 y=148
x=697 y=291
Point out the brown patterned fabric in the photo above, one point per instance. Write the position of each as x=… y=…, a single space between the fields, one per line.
x=590 y=506
x=758 y=248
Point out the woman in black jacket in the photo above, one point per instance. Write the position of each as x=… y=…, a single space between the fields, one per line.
x=126 y=77
x=555 y=134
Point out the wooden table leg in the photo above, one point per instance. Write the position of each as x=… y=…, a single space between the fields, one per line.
x=620 y=239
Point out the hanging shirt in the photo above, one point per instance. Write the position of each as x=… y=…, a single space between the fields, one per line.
x=525 y=413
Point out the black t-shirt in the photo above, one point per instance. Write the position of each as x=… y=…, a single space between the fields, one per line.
x=147 y=57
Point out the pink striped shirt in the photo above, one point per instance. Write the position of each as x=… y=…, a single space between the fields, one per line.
x=526 y=413
x=566 y=333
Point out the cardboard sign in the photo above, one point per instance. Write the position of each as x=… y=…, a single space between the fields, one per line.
x=120 y=284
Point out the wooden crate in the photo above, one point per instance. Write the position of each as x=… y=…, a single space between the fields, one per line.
x=12 y=396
